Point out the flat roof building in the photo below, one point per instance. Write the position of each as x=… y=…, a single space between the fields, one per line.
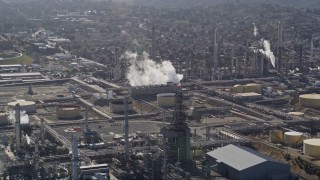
x=32 y=75
x=242 y=163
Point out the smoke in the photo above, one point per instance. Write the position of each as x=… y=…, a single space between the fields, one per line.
x=143 y=71
x=267 y=51
x=255 y=30
x=24 y=118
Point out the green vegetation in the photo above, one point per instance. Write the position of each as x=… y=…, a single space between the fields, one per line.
x=24 y=60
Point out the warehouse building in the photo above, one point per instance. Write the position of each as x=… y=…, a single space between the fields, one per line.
x=242 y=163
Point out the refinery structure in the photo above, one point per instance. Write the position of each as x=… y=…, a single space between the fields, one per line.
x=244 y=110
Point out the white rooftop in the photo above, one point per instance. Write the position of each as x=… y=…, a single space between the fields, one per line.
x=238 y=157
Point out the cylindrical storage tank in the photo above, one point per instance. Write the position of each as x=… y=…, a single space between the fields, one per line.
x=275 y=136
x=310 y=100
x=117 y=106
x=238 y=88
x=311 y=147
x=166 y=100
x=27 y=106
x=3 y=118
x=269 y=90
x=69 y=112
x=299 y=114
x=110 y=94
x=104 y=96
x=253 y=87
x=293 y=138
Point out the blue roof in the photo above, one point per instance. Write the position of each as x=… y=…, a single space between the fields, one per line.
x=239 y=157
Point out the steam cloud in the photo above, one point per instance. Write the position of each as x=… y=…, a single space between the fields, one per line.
x=143 y=71
x=267 y=51
x=24 y=118
x=255 y=30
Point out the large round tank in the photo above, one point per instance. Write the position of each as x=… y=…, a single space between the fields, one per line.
x=166 y=100
x=299 y=114
x=27 y=106
x=275 y=136
x=69 y=112
x=238 y=88
x=117 y=106
x=253 y=87
x=3 y=118
x=110 y=94
x=269 y=90
x=293 y=138
x=310 y=100
x=311 y=147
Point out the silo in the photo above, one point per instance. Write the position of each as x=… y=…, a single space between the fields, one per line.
x=310 y=100
x=3 y=118
x=166 y=100
x=253 y=87
x=276 y=136
x=118 y=106
x=293 y=138
x=238 y=88
x=68 y=112
x=311 y=147
x=27 y=106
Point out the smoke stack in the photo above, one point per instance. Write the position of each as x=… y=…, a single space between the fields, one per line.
x=126 y=129
x=74 y=158
x=42 y=131
x=86 y=118
x=215 y=53
x=280 y=42
x=311 y=50
x=300 y=59
x=36 y=158
x=117 y=57
x=232 y=61
x=18 y=132
x=153 y=43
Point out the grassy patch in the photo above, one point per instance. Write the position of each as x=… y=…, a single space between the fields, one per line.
x=24 y=60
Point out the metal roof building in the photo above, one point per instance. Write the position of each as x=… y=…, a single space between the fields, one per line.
x=243 y=163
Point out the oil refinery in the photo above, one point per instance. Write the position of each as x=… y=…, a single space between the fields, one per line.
x=107 y=90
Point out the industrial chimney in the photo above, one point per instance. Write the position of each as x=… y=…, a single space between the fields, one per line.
x=17 y=127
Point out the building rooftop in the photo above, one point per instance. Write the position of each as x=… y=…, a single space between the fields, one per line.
x=20 y=74
x=238 y=157
x=249 y=94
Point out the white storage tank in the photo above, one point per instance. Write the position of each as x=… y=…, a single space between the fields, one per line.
x=118 y=106
x=238 y=88
x=3 y=118
x=166 y=100
x=310 y=100
x=276 y=136
x=110 y=94
x=69 y=112
x=27 y=106
x=293 y=138
x=311 y=147
x=253 y=87
x=299 y=114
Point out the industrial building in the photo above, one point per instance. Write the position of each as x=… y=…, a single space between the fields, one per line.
x=33 y=75
x=243 y=163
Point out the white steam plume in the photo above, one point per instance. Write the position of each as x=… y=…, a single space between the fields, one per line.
x=255 y=30
x=24 y=118
x=143 y=71
x=267 y=51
